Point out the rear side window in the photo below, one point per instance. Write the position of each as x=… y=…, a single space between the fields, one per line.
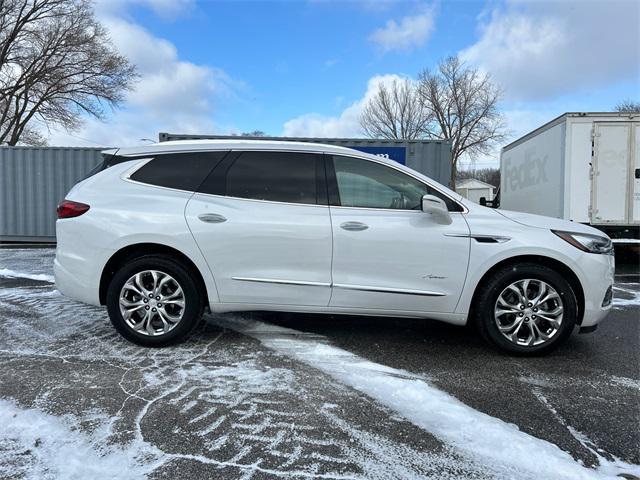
x=274 y=176
x=182 y=171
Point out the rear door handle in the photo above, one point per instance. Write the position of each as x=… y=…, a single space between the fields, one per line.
x=354 y=226
x=212 y=218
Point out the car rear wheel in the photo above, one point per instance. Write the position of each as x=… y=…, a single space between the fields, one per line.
x=526 y=309
x=153 y=301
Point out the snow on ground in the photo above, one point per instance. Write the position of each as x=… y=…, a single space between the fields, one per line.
x=80 y=402
x=610 y=465
x=487 y=439
x=625 y=295
x=5 y=272
x=36 y=445
x=236 y=408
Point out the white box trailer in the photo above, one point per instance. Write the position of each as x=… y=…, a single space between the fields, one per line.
x=583 y=167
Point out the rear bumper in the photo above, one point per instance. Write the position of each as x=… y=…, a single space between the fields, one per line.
x=78 y=264
x=71 y=285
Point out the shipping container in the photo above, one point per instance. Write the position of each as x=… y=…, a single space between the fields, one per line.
x=583 y=167
x=33 y=180
x=429 y=157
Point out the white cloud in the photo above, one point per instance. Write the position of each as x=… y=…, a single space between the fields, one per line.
x=347 y=124
x=542 y=49
x=412 y=31
x=171 y=94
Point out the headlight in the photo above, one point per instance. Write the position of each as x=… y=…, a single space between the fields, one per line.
x=586 y=242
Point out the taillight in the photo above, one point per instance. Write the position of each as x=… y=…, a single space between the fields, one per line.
x=69 y=209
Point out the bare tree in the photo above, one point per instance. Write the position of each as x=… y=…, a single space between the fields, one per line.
x=395 y=112
x=56 y=64
x=255 y=133
x=628 y=106
x=462 y=106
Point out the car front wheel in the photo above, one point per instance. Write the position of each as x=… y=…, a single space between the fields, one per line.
x=153 y=301
x=526 y=309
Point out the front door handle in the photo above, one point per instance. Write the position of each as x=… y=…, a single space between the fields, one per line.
x=354 y=226
x=212 y=218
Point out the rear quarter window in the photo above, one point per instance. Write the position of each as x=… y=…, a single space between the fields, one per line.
x=182 y=171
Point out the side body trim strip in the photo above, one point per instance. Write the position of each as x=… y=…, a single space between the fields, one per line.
x=282 y=282
x=368 y=288
x=344 y=286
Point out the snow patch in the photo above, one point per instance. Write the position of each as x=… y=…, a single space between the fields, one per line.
x=609 y=465
x=626 y=382
x=42 y=446
x=42 y=277
x=632 y=297
x=484 y=438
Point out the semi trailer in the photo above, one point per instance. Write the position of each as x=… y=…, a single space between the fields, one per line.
x=583 y=167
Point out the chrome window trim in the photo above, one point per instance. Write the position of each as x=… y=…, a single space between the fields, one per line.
x=399 y=210
x=128 y=174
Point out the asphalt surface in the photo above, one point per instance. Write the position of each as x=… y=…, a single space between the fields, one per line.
x=78 y=401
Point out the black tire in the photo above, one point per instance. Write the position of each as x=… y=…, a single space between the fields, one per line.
x=487 y=296
x=193 y=300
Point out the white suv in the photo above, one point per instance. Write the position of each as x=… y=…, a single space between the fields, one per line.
x=158 y=233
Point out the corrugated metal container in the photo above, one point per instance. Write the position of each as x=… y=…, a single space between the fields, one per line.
x=429 y=157
x=33 y=180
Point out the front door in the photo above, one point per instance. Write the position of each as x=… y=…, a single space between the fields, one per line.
x=388 y=254
x=262 y=222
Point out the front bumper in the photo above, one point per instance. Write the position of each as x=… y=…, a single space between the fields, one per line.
x=597 y=273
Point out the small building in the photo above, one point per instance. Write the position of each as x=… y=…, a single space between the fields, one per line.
x=473 y=189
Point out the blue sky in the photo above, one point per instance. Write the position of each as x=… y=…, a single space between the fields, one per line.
x=303 y=56
x=306 y=67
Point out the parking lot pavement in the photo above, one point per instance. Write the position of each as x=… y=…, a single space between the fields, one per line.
x=305 y=396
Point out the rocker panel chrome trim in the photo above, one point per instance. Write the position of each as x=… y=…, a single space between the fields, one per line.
x=282 y=282
x=404 y=291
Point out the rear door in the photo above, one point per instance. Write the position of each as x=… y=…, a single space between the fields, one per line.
x=612 y=160
x=262 y=221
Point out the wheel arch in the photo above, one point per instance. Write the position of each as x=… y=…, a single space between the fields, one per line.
x=549 y=262
x=137 y=250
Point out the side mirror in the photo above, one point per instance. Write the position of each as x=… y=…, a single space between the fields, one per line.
x=483 y=201
x=437 y=208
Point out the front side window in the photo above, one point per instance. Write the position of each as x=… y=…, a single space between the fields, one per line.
x=366 y=184
x=274 y=176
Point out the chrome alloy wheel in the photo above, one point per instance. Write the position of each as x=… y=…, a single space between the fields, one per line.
x=529 y=312
x=152 y=302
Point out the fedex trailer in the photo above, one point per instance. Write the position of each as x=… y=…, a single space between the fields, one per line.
x=583 y=167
